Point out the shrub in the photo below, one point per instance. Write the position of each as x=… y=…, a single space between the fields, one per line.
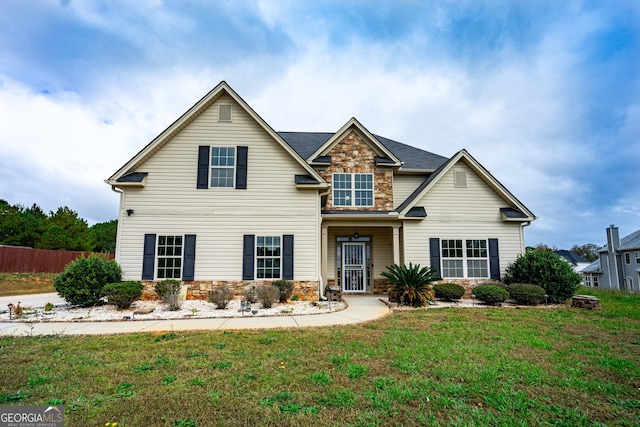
x=547 y=270
x=220 y=296
x=83 y=279
x=122 y=294
x=491 y=294
x=526 y=294
x=285 y=287
x=268 y=295
x=411 y=284
x=448 y=291
x=169 y=290
x=251 y=294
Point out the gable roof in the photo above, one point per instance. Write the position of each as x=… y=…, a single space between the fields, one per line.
x=412 y=158
x=516 y=212
x=354 y=124
x=632 y=241
x=573 y=258
x=196 y=110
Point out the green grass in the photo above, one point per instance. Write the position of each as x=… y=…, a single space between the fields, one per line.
x=461 y=367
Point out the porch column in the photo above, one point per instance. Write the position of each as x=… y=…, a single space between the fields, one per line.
x=324 y=265
x=396 y=244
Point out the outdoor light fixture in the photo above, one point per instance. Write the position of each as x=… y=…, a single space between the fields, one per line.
x=474 y=299
x=546 y=299
x=10 y=310
x=130 y=212
x=356 y=234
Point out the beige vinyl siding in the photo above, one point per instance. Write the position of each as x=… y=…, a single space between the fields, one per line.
x=461 y=213
x=404 y=185
x=271 y=204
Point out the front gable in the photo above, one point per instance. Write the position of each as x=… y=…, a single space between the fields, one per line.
x=463 y=187
x=220 y=109
x=362 y=165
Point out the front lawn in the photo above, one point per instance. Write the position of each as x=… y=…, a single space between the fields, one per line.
x=450 y=366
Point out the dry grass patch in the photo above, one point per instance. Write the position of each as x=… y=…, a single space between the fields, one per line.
x=25 y=283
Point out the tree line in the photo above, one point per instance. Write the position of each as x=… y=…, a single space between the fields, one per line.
x=588 y=251
x=59 y=230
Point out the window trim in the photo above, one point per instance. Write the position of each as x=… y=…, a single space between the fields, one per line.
x=465 y=258
x=637 y=257
x=353 y=190
x=264 y=257
x=627 y=258
x=180 y=257
x=232 y=168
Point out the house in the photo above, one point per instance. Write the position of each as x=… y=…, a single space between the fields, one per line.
x=219 y=197
x=618 y=264
x=577 y=262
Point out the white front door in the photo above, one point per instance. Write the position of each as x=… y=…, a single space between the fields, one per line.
x=354 y=268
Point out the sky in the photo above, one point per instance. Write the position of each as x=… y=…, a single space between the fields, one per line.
x=545 y=94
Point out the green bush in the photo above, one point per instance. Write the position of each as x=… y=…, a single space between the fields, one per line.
x=547 y=270
x=83 y=279
x=220 y=296
x=448 y=291
x=526 y=294
x=285 y=287
x=268 y=295
x=410 y=285
x=491 y=294
x=123 y=294
x=169 y=291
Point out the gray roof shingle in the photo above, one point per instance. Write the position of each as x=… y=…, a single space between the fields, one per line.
x=306 y=143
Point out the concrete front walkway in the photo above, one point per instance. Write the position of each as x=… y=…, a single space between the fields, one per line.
x=361 y=308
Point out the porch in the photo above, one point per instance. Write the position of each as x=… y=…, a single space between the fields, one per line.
x=355 y=253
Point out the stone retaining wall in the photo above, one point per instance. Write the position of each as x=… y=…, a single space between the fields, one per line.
x=197 y=290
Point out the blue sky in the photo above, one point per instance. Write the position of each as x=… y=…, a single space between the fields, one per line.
x=545 y=94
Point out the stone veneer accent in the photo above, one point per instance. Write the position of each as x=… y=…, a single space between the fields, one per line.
x=353 y=155
x=197 y=290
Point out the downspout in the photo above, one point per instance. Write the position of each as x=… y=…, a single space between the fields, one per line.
x=523 y=225
x=119 y=229
x=319 y=246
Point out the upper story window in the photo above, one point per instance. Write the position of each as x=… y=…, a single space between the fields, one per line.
x=638 y=257
x=470 y=260
x=627 y=258
x=352 y=189
x=223 y=166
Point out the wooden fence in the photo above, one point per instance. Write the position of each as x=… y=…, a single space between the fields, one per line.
x=26 y=260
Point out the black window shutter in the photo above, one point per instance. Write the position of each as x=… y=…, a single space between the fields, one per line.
x=494 y=259
x=434 y=249
x=148 y=256
x=189 y=263
x=241 y=167
x=287 y=257
x=203 y=167
x=248 y=247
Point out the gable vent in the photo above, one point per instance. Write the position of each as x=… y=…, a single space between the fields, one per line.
x=460 y=179
x=224 y=113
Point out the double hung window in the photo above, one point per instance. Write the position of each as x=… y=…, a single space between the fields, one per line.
x=268 y=257
x=223 y=162
x=353 y=189
x=470 y=260
x=169 y=257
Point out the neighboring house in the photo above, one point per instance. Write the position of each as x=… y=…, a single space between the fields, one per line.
x=219 y=197
x=577 y=262
x=618 y=266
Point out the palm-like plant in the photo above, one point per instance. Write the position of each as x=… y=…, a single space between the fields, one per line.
x=412 y=284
